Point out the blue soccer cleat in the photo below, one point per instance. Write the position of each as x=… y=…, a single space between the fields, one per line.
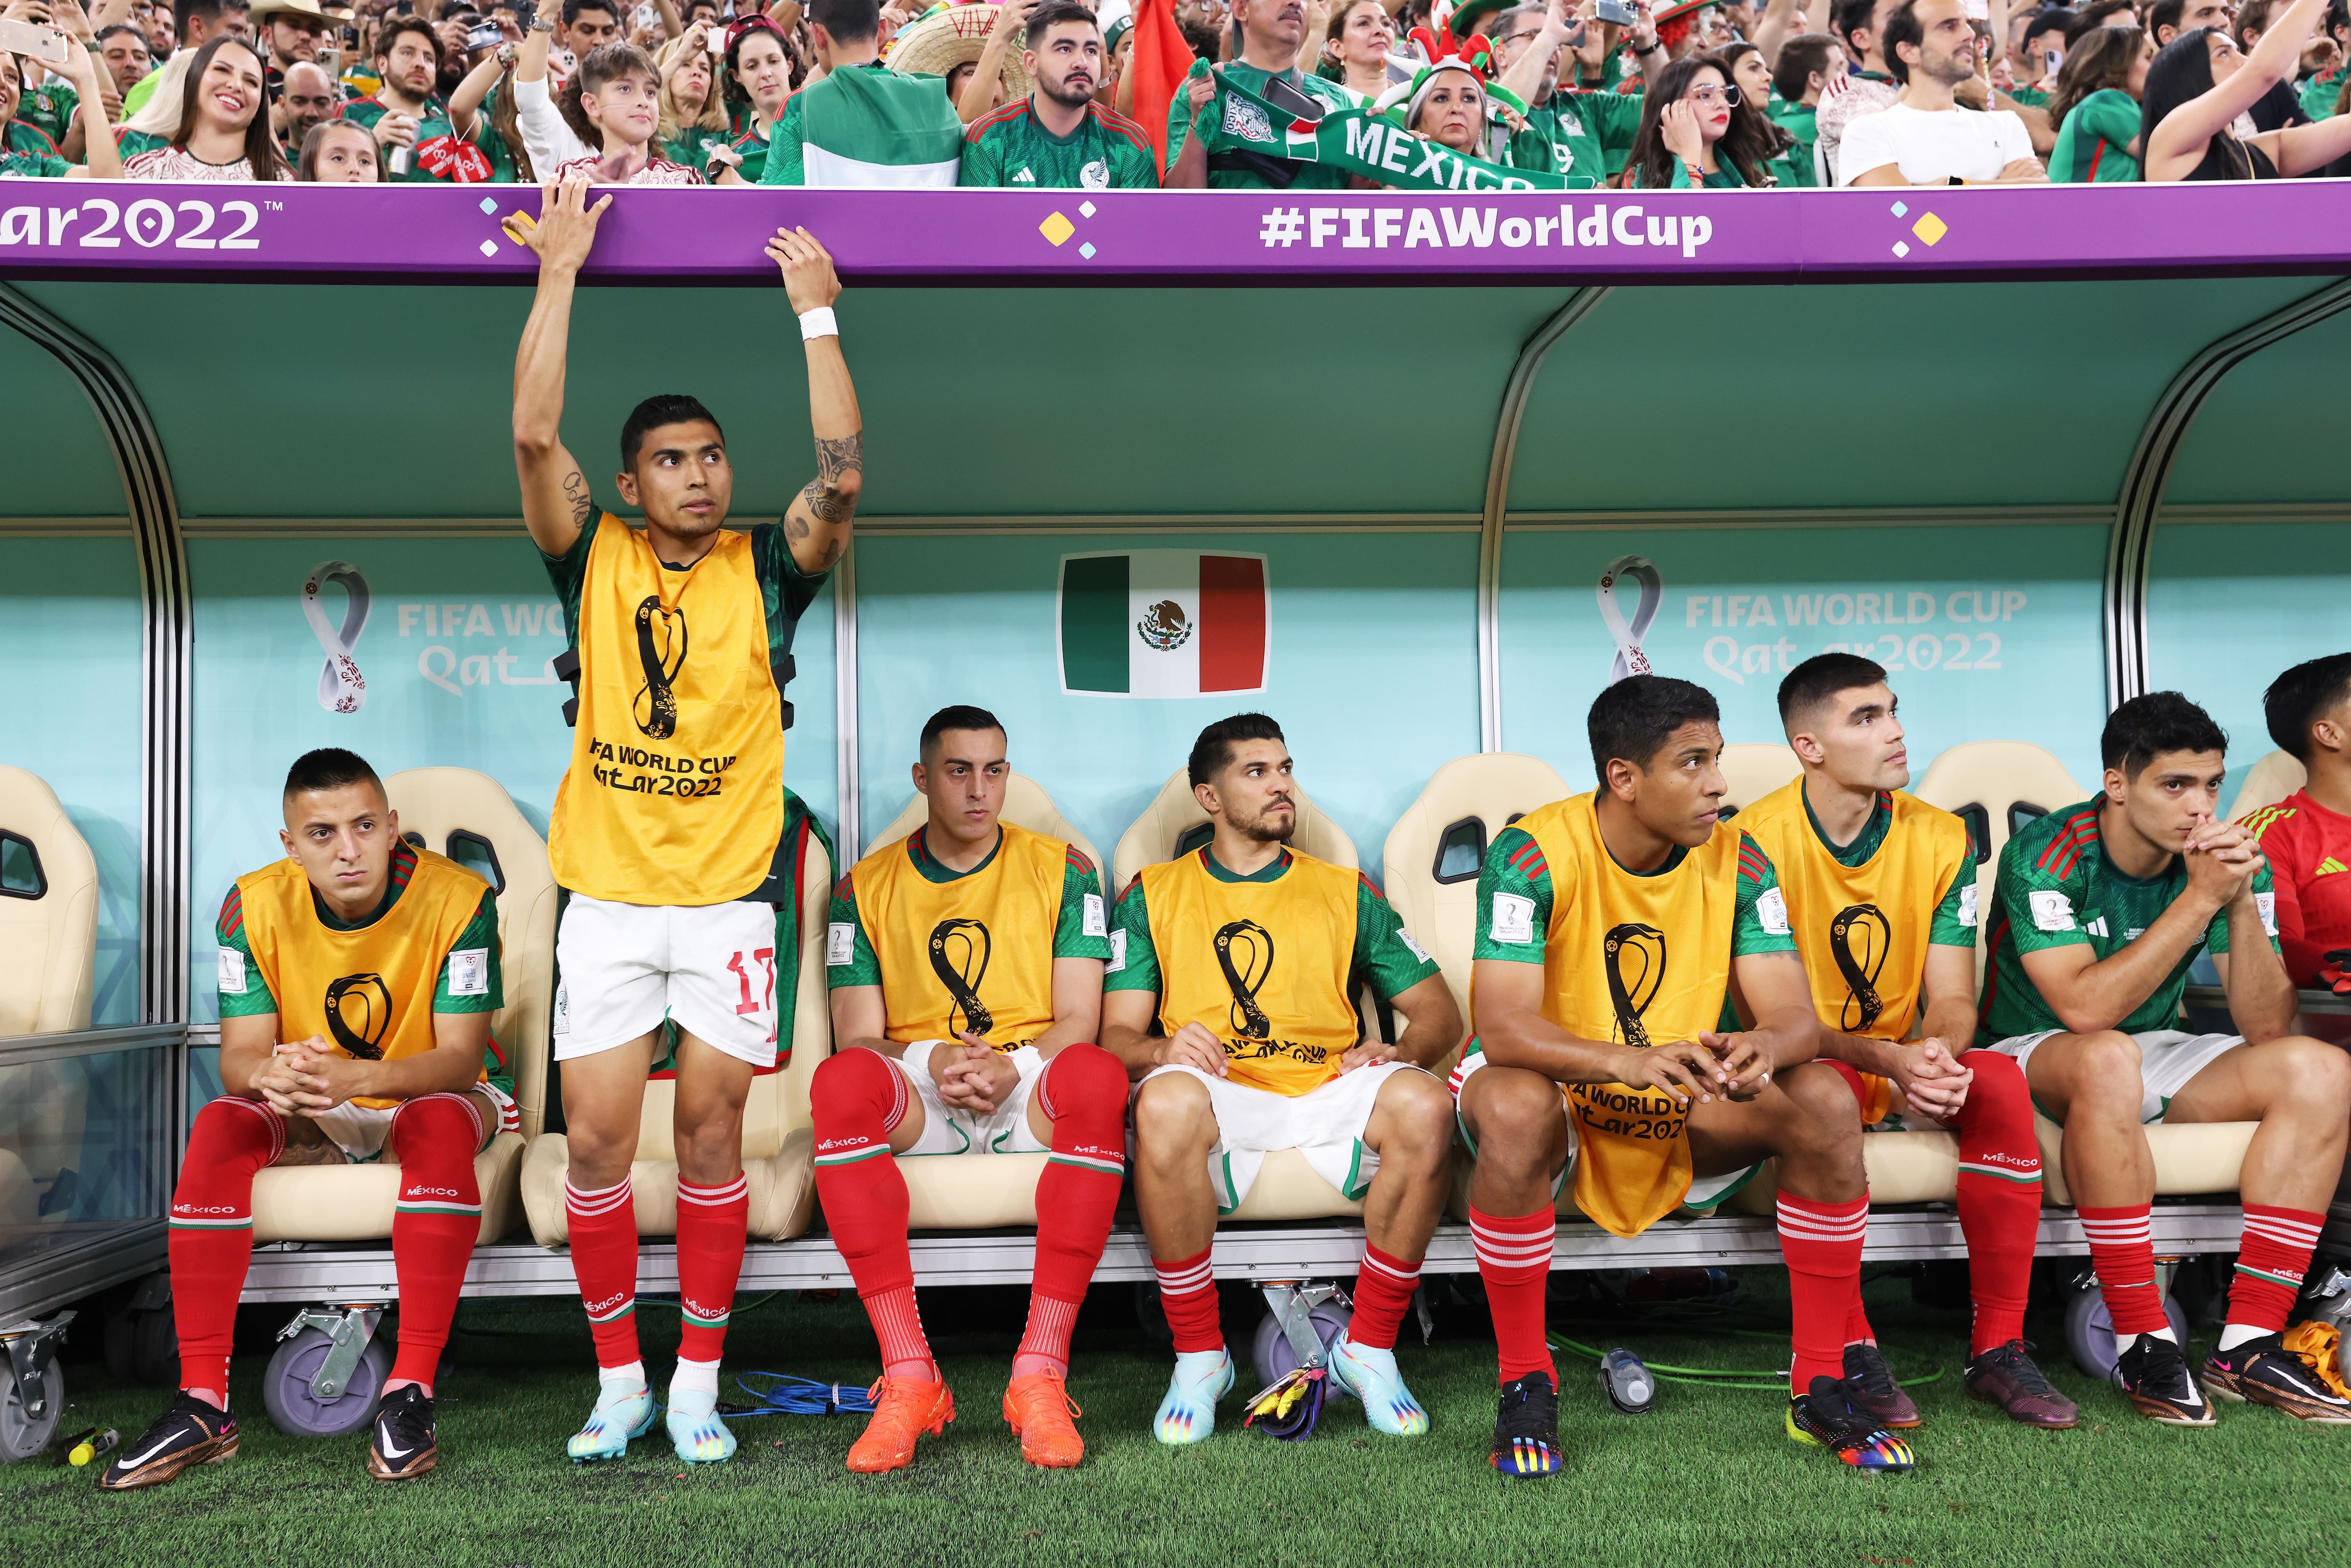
x=1189 y=1412
x=621 y=1414
x=1371 y=1375
x=696 y=1430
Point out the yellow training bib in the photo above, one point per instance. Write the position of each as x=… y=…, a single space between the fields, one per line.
x=675 y=791
x=1264 y=964
x=370 y=990
x=1643 y=960
x=973 y=953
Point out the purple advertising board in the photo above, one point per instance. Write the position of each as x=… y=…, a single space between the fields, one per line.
x=453 y=234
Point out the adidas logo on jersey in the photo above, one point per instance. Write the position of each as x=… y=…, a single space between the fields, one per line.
x=2326 y=867
x=1024 y=178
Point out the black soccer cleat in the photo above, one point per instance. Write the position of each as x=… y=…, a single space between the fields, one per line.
x=2264 y=1371
x=189 y=1432
x=2153 y=1375
x=403 y=1446
x=1831 y=1415
x=1870 y=1383
x=1526 y=1429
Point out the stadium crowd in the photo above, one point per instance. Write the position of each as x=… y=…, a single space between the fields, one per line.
x=1551 y=94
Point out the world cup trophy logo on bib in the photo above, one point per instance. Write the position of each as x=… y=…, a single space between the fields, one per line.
x=959 y=954
x=359 y=1015
x=1245 y=953
x=661 y=649
x=1858 y=939
x=1636 y=957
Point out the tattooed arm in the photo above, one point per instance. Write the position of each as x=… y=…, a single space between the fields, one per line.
x=555 y=502
x=817 y=525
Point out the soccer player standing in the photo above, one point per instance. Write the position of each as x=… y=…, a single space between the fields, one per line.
x=2306 y=837
x=1245 y=953
x=967 y=961
x=668 y=827
x=1881 y=891
x=357 y=979
x=1611 y=927
x=2101 y=908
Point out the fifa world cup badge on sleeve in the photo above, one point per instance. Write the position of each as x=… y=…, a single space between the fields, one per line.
x=1513 y=919
x=2052 y=911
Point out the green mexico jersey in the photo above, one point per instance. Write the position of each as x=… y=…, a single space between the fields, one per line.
x=2092 y=145
x=1385 y=955
x=504 y=170
x=129 y=144
x=2031 y=96
x=27 y=151
x=50 y=107
x=1080 y=882
x=754 y=148
x=1234 y=170
x=2320 y=93
x=434 y=122
x=1010 y=146
x=693 y=147
x=2054 y=889
x=1509 y=868
x=1588 y=135
x=481 y=932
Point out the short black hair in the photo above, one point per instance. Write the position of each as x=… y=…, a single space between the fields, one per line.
x=1213 y=752
x=1902 y=26
x=2094 y=15
x=571 y=9
x=1821 y=677
x=850 y=21
x=2053 y=19
x=1850 y=16
x=207 y=11
x=1054 y=12
x=2165 y=14
x=1635 y=718
x=2301 y=698
x=107 y=31
x=1800 y=57
x=2144 y=727
x=328 y=768
x=956 y=716
x=664 y=408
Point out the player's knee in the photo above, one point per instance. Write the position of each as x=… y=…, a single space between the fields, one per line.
x=2105 y=1075
x=1999 y=1092
x=1173 y=1114
x=1418 y=1115
x=434 y=1125
x=1824 y=1120
x=849 y=1084
x=230 y=1131
x=1518 y=1115
x=2317 y=1078
x=1084 y=1079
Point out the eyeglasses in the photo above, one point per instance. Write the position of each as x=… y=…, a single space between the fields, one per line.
x=1727 y=96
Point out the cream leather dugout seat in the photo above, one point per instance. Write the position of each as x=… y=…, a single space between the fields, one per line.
x=981 y=1191
x=470 y=818
x=2271 y=779
x=1997 y=786
x=1754 y=768
x=1174 y=824
x=779 y=1148
x=48 y=929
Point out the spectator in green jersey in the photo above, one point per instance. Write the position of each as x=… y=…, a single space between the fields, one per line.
x=2321 y=95
x=1689 y=138
x=406 y=110
x=28 y=154
x=1270 y=33
x=2097 y=107
x=1807 y=63
x=1447 y=104
x=1787 y=161
x=692 y=111
x=1583 y=137
x=307 y=97
x=1059 y=136
x=339 y=153
x=757 y=82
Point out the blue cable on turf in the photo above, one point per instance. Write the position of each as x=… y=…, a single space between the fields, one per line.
x=799 y=1396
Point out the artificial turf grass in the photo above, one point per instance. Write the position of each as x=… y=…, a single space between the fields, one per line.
x=1706 y=1478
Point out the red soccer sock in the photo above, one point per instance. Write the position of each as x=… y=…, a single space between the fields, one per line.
x=211 y=1239
x=1514 y=1262
x=854 y=1099
x=710 y=1236
x=434 y=1226
x=2000 y=1196
x=2272 y=1258
x=1083 y=1091
x=1383 y=1290
x=1187 y=1294
x=1822 y=1243
x=2122 y=1253
x=604 y=1260
x=1856 y=1322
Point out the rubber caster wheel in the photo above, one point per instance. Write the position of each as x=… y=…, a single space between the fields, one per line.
x=143 y=1346
x=21 y=1435
x=1274 y=1358
x=2090 y=1333
x=297 y=1412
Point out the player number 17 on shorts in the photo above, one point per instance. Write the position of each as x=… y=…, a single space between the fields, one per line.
x=765 y=958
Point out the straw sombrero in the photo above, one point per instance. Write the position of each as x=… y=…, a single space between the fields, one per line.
x=945 y=39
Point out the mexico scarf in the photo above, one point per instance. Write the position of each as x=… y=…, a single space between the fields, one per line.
x=1360 y=141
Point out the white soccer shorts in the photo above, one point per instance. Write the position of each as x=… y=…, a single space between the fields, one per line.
x=950 y=1130
x=711 y=968
x=2167 y=1059
x=1325 y=1124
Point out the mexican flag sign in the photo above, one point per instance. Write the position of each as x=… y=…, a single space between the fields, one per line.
x=1163 y=623
x=871 y=129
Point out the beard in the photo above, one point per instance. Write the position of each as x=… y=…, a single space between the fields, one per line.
x=1065 y=93
x=1268 y=829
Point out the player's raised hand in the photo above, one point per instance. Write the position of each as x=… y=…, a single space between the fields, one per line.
x=1684 y=1068
x=1193 y=1046
x=565 y=230
x=809 y=277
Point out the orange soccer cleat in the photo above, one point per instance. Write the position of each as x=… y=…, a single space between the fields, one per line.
x=1037 y=1408
x=903 y=1409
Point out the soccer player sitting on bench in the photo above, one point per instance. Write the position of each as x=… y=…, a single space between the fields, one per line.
x=2306 y=837
x=1610 y=929
x=1881 y=893
x=2100 y=909
x=966 y=960
x=1244 y=951
x=357 y=980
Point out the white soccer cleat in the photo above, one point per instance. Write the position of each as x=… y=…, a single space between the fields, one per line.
x=621 y=1412
x=695 y=1430
x=1371 y=1375
x=1188 y=1414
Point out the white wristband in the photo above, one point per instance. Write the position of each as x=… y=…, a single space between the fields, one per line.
x=819 y=323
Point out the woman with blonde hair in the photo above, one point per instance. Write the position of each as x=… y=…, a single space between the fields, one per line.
x=693 y=108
